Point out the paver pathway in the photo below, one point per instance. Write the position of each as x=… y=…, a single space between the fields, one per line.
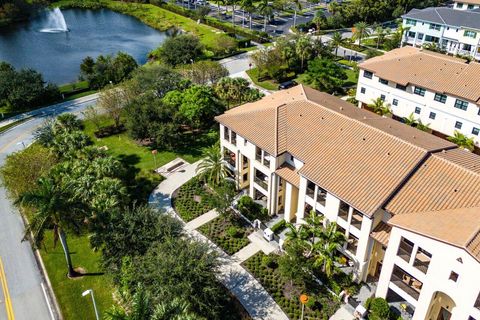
x=255 y=299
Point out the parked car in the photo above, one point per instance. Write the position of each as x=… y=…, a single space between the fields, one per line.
x=287 y=84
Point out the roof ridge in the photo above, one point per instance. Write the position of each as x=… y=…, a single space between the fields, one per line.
x=441 y=18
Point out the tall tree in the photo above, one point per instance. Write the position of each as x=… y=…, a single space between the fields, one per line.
x=264 y=8
x=325 y=75
x=235 y=91
x=303 y=48
x=361 y=31
x=326 y=250
x=337 y=41
x=297 y=5
x=52 y=209
x=212 y=168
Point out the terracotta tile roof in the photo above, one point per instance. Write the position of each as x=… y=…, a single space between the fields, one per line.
x=381 y=233
x=288 y=173
x=354 y=154
x=444 y=181
x=459 y=226
x=430 y=70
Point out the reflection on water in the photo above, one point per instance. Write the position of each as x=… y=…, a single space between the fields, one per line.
x=91 y=33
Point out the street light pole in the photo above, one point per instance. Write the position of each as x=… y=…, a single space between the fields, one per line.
x=90 y=291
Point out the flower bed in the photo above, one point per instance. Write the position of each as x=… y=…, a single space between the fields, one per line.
x=230 y=234
x=192 y=200
x=287 y=295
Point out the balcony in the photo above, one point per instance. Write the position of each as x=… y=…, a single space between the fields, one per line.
x=352 y=244
x=266 y=160
x=422 y=260
x=357 y=219
x=343 y=210
x=406 y=282
x=321 y=197
x=405 y=250
x=244 y=162
x=229 y=158
x=261 y=183
x=310 y=189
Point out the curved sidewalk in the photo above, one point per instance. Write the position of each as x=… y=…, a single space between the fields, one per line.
x=254 y=298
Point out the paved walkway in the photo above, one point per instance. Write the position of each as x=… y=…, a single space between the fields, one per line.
x=344 y=313
x=255 y=299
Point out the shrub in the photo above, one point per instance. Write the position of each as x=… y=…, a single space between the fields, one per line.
x=379 y=309
x=234 y=232
x=269 y=262
x=312 y=303
x=279 y=226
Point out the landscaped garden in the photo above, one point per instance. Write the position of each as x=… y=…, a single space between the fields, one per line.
x=229 y=233
x=193 y=199
x=286 y=291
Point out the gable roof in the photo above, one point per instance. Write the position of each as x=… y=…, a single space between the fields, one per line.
x=354 y=154
x=430 y=70
x=468 y=19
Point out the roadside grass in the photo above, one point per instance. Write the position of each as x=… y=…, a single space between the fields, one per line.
x=69 y=291
x=267 y=84
x=352 y=78
x=156 y=17
x=79 y=95
x=13 y=124
x=69 y=87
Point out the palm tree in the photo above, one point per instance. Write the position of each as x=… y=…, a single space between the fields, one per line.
x=212 y=168
x=380 y=107
x=319 y=19
x=266 y=11
x=303 y=48
x=173 y=309
x=380 y=33
x=462 y=141
x=337 y=41
x=299 y=236
x=297 y=5
x=247 y=5
x=52 y=209
x=361 y=31
x=326 y=250
x=423 y=126
x=410 y=120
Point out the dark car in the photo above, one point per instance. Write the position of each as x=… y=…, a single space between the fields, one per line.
x=287 y=84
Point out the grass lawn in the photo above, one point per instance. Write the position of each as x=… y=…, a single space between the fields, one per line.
x=69 y=291
x=230 y=234
x=352 y=78
x=156 y=17
x=69 y=87
x=267 y=84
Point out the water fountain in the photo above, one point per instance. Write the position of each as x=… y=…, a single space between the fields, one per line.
x=55 y=22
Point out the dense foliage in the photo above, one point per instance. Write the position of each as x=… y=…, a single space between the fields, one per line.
x=24 y=89
x=181 y=49
x=15 y=10
x=107 y=69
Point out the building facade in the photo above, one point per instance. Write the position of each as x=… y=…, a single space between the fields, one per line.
x=300 y=150
x=438 y=90
x=455 y=31
x=466 y=4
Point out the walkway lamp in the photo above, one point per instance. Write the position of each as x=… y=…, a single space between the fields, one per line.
x=87 y=292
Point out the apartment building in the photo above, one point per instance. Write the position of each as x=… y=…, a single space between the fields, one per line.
x=456 y=31
x=466 y=4
x=408 y=202
x=440 y=90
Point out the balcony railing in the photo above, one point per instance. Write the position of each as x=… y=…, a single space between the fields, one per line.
x=230 y=161
x=261 y=183
x=410 y=285
x=258 y=157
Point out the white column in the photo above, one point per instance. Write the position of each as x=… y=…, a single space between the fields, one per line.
x=388 y=263
x=301 y=200
x=364 y=247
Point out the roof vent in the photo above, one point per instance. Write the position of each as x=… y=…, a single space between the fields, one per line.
x=388 y=154
x=341 y=108
x=444 y=151
x=455 y=190
x=364 y=139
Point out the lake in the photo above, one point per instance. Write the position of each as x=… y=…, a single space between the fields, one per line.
x=91 y=33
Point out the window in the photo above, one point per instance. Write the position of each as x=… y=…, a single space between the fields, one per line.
x=460 y=104
x=477 y=302
x=226 y=135
x=418 y=110
x=292 y=158
x=440 y=97
x=411 y=34
x=478 y=112
x=395 y=102
x=382 y=81
x=475 y=131
x=435 y=27
x=245 y=142
x=321 y=196
x=382 y=97
x=411 y=22
x=459 y=5
x=245 y=177
x=420 y=91
x=470 y=34
x=367 y=74
x=467 y=47
x=420 y=36
x=399 y=86
x=470 y=7
x=432 y=115
x=362 y=90
x=432 y=39
x=458 y=125
x=453 y=276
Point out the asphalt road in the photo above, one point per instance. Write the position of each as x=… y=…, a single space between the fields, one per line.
x=23 y=278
